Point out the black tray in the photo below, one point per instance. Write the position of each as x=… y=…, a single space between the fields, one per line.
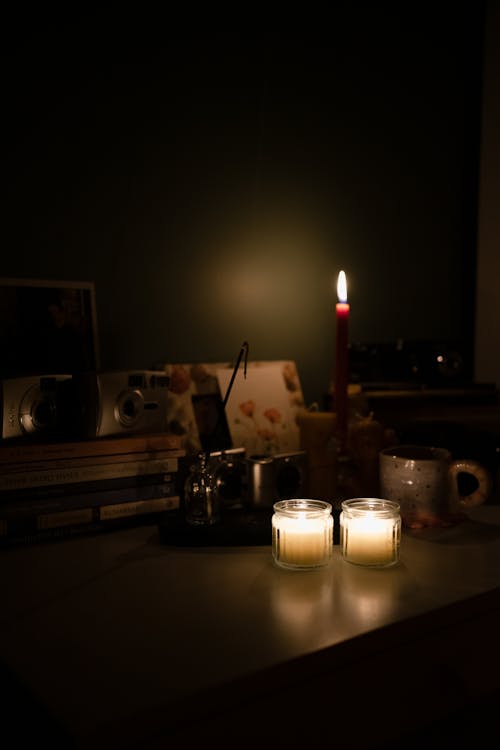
x=236 y=528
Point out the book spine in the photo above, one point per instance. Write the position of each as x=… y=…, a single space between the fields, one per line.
x=70 y=463
x=19 y=451
x=44 y=477
x=66 y=518
x=75 y=488
x=63 y=524
x=27 y=507
x=139 y=508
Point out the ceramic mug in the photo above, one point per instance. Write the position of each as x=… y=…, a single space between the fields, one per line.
x=424 y=480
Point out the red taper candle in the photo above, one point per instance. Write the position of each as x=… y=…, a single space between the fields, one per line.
x=341 y=379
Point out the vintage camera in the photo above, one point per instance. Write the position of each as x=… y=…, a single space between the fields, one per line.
x=117 y=402
x=277 y=477
x=229 y=470
x=33 y=407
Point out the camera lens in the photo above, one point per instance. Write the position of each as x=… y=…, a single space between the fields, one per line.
x=129 y=408
x=37 y=412
x=43 y=414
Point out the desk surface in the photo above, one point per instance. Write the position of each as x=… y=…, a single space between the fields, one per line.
x=120 y=639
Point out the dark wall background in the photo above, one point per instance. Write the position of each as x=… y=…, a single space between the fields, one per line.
x=213 y=185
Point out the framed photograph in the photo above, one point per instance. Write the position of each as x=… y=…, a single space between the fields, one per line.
x=261 y=412
x=47 y=327
x=195 y=406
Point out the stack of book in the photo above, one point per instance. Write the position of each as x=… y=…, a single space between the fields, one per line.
x=50 y=489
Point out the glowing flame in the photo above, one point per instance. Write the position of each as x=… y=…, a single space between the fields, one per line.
x=342 y=287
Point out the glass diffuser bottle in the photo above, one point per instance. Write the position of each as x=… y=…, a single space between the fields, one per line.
x=200 y=497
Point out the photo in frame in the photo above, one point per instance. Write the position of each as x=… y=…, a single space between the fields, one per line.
x=195 y=405
x=47 y=327
x=261 y=410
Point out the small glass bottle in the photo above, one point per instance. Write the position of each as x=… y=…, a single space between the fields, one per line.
x=200 y=498
x=302 y=533
x=370 y=531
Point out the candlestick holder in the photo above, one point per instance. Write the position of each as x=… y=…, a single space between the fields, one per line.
x=302 y=533
x=370 y=531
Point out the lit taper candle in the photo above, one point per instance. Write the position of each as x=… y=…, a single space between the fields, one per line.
x=341 y=379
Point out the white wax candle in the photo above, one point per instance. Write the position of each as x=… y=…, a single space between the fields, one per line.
x=369 y=540
x=302 y=541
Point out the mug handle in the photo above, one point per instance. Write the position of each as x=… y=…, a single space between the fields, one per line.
x=482 y=475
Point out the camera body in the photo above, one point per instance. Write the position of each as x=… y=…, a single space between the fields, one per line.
x=32 y=406
x=119 y=402
x=229 y=469
x=84 y=405
x=277 y=477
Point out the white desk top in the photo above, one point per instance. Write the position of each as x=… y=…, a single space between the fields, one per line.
x=117 y=632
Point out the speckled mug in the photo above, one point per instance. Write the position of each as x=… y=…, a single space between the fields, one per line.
x=424 y=481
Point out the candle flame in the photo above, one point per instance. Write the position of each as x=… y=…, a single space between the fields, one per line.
x=342 y=287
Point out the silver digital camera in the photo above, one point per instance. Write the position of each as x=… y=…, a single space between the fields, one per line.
x=278 y=477
x=32 y=406
x=117 y=402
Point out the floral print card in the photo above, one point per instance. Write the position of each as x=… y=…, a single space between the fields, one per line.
x=261 y=410
x=194 y=388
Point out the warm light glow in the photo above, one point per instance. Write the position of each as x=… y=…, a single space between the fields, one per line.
x=342 y=287
x=370 y=539
x=370 y=535
x=303 y=538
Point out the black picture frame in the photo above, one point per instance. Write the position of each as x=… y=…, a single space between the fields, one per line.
x=47 y=327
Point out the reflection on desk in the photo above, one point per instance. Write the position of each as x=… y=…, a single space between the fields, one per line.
x=118 y=641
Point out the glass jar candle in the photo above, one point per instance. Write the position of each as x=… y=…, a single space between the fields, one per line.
x=370 y=531
x=302 y=532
